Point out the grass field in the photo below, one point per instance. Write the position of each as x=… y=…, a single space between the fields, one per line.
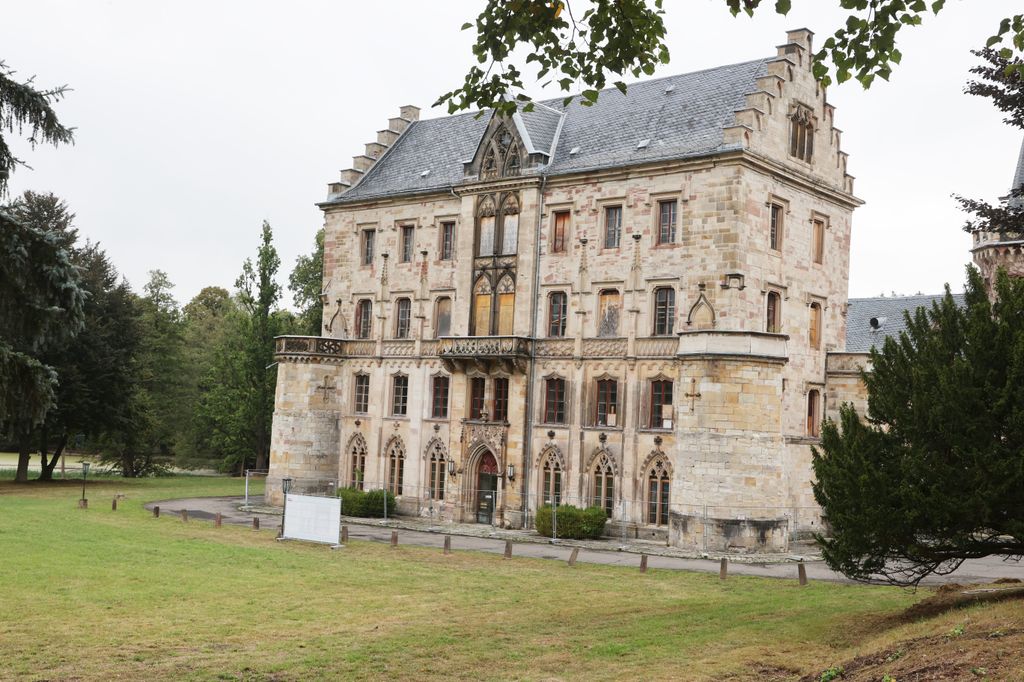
x=99 y=594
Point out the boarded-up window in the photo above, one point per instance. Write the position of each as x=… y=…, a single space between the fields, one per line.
x=559 y=231
x=609 y=307
x=506 y=309
x=818 y=240
x=773 y=313
x=443 y=317
x=814 y=332
x=813 y=413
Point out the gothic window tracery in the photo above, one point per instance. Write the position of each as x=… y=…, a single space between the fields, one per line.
x=503 y=156
x=357 y=461
x=604 y=484
x=659 y=479
x=801 y=133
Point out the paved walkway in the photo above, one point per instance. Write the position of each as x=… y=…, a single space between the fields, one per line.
x=528 y=544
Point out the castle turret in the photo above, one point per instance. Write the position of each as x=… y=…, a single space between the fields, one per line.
x=994 y=250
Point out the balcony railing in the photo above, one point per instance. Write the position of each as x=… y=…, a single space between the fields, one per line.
x=511 y=351
x=309 y=346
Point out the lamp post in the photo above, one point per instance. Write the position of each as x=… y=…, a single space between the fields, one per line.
x=85 y=474
x=286 y=486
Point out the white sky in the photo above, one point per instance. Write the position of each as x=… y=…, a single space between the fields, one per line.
x=197 y=120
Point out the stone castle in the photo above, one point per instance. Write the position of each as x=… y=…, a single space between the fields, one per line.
x=639 y=305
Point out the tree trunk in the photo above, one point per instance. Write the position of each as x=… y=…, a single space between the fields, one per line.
x=46 y=473
x=24 y=455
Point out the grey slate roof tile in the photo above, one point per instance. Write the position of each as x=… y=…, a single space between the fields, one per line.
x=861 y=337
x=688 y=121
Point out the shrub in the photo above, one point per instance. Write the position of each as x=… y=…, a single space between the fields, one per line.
x=573 y=522
x=373 y=503
x=352 y=501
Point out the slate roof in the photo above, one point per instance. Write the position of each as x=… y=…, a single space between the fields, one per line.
x=888 y=310
x=683 y=116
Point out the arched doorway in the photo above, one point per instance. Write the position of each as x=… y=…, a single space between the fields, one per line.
x=486 y=487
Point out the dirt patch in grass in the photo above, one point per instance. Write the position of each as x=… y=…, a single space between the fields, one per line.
x=956 y=596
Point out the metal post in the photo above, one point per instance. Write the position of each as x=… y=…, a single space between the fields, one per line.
x=623 y=521
x=554 y=523
x=247 y=487
x=385 y=505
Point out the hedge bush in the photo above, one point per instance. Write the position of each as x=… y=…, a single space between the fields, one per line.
x=573 y=522
x=355 y=502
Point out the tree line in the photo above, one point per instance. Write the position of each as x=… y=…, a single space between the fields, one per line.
x=144 y=382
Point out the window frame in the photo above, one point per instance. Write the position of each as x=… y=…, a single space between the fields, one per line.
x=399 y=398
x=657 y=493
x=657 y=398
x=818 y=227
x=440 y=383
x=559 y=237
x=555 y=402
x=672 y=227
x=776 y=225
x=617 y=208
x=438 y=472
x=403 y=318
x=561 y=319
x=499 y=399
x=367 y=246
x=396 y=470
x=813 y=425
x=773 y=313
x=437 y=316
x=361 y=398
x=477 y=400
x=815 y=325
x=364 y=319
x=606 y=394
x=603 y=488
x=664 y=314
x=408 y=242
x=446 y=249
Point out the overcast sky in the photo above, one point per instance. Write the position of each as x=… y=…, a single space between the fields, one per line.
x=198 y=120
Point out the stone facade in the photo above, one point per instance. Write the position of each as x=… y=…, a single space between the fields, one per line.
x=739 y=329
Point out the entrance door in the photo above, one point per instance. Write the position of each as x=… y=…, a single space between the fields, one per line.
x=486 y=488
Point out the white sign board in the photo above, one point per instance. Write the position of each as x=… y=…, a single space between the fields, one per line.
x=317 y=519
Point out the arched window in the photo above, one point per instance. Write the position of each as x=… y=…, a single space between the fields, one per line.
x=442 y=317
x=482 y=307
x=814 y=330
x=509 y=225
x=813 y=413
x=403 y=317
x=604 y=484
x=773 y=313
x=664 y=311
x=557 y=308
x=551 y=479
x=436 y=452
x=506 y=305
x=364 y=318
x=801 y=134
x=396 y=466
x=486 y=216
x=357 y=462
x=659 y=481
x=609 y=305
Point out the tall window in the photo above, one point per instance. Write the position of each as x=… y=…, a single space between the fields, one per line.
x=612 y=226
x=813 y=413
x=510 y=225
x=368 y=238
x=439 y=397
x=554 y=401
x=357 y=462
x=399 y=395
x=443 y=317
x=818 y=240
x=609 y=305
x=557 y=306
x=664 y=311
x=551 y=480
x=814 y=332
x=499 y=413
x=497 y=230
x=362 y=394
x=661 y=404
x=604 y=485
x=506 y=305
x=482 y=295
x=773 y=313
x=667 y=221
x=364 y=318
x=396 y=468
x=607 y=402
x=658 y=483
x=558 y=231
x=477 y=386
x=447 y=240
x=437 y=471
x=403 y=313
x=775 y=229
x=408 y=242
x=486 y=243
x=801 y=134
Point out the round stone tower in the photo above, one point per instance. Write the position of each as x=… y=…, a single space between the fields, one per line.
x=993 y=250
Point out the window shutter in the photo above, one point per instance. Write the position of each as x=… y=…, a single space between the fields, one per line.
x=506 y=309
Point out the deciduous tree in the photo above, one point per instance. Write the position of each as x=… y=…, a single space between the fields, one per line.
x=306 y=282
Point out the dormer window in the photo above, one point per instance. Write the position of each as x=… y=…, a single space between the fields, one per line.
x=502 y=157
x=801 y=133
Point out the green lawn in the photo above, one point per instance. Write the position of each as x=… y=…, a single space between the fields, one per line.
x=98 y=594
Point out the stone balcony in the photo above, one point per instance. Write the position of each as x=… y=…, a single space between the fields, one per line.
x=460 y=352
x=309 y=349
x=714 y=344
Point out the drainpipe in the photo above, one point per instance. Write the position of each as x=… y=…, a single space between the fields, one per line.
x=528 y=426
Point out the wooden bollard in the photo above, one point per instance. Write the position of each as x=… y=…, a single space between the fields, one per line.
x=723 y=569
x=447 y=544
x=344 y=534
x=643 y=563
x=255 y=523
x=394 y=538
x=83 y=503
x=801 y=571
x=184 y=515
x=217 y=520
x=156 y=512
x=113 y=505
x=572 y=557
x=508 y=549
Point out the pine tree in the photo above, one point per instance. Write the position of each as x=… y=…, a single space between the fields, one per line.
x=935 y=474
